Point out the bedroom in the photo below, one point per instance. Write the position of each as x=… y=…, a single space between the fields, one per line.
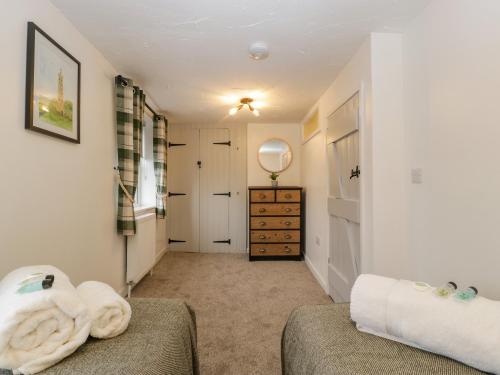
x=418 y=200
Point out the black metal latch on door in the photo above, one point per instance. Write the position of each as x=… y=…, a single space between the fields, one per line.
x=170 y=144
x=222 y=143
x=226 y=194
x=355 y=173
x=175 y=194
x=224 y=241
x=174 y=241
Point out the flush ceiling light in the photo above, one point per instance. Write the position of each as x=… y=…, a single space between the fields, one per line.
x=244 y=102
x=258 y=51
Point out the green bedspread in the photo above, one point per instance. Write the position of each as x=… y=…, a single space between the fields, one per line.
x=322 y=340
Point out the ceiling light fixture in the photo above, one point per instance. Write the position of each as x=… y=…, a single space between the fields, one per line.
x=258 y=51
x=244 y=102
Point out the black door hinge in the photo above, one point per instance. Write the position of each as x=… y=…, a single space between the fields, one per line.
x=174 y=241
x=199 y=163
x=224 y=241
x=223 y=143
x=175 y=194
x=226 y=194
x=170 y=144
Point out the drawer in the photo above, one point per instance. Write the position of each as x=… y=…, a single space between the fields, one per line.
x=288 y=195
x=264 y=236
x=261 y=195
x=275 y=209
x=275 y=249
x=292 y=222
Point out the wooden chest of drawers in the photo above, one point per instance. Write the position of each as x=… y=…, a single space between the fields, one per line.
x=276 y=223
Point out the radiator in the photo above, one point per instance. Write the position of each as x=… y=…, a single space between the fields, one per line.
x=141 y=250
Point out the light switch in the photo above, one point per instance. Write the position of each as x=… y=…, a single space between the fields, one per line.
x=417 y=176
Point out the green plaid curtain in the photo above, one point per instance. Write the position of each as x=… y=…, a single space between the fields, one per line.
x=130 y=102
x=160 y=162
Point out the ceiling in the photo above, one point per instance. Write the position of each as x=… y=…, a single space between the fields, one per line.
x=191 y=55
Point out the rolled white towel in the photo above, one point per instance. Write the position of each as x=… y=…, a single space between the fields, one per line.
x=110 y=312
x=468 y=332
x=41 y=328
x=369 y=297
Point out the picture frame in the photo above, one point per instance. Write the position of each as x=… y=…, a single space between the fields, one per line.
x=310 y=125
x=52 y=87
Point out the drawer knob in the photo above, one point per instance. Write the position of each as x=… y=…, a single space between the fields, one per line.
x=288 y=236
x=288 y=223
x=262 y=209
x=262 y=196
x=288 y=209
x=262 y=250
x=262 y=237
x=288 y=196
x=287 y=249
x=262 y=223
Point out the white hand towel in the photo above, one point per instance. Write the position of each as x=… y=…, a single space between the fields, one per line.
x=41 y=328
x=468 y=332
x=110 y=312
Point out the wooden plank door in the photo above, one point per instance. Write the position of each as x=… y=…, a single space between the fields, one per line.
x=215 y=193
x=183 y=188
x=344 y=199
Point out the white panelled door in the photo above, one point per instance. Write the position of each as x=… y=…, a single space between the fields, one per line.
x=183 y=188
x=199 y=189
x=215 y=191
x=344 y=199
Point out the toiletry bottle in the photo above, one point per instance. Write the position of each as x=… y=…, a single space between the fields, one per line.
x=467 y=294
x=37 y=285
x=446 y=290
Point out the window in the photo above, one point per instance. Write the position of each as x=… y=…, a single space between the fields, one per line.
x=146 y=189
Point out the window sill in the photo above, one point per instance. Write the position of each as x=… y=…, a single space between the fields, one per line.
x=139 y=211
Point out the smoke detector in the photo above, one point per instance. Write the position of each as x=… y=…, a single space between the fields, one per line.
x=258 y=51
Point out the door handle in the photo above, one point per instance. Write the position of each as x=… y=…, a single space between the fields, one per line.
x=287 y=249
x=288 y=209
x=262 y=237
x=262 y=250
x=288 y=223
x=262 y=223
x=288 y=236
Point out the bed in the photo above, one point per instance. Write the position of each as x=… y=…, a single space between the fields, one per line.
x=322 y=340
x=161 y=339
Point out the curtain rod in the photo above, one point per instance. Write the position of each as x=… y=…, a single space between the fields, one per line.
x=120 y=77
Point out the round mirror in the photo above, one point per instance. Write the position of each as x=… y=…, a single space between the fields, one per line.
x=275 y=155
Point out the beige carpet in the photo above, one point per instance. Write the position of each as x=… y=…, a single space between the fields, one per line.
x=241 y=307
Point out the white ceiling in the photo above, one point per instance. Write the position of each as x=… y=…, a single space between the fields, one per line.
x=187 y=54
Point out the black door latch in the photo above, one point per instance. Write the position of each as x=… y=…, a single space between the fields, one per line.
x=199 y=163
x=355 y=173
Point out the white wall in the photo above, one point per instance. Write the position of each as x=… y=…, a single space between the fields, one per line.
x=355 y=76
x=258 y=134
x=58 y=198
x=452 y=79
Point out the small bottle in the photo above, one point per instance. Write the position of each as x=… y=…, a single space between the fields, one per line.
x=467 y=294
x=446 y=290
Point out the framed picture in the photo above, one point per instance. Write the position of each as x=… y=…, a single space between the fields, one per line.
x=52 y=87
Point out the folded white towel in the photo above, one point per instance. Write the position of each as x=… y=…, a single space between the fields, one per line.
x=110 y=312
x=468 y=332
x=39 y=329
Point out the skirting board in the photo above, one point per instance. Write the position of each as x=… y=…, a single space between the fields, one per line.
x=316 y=274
